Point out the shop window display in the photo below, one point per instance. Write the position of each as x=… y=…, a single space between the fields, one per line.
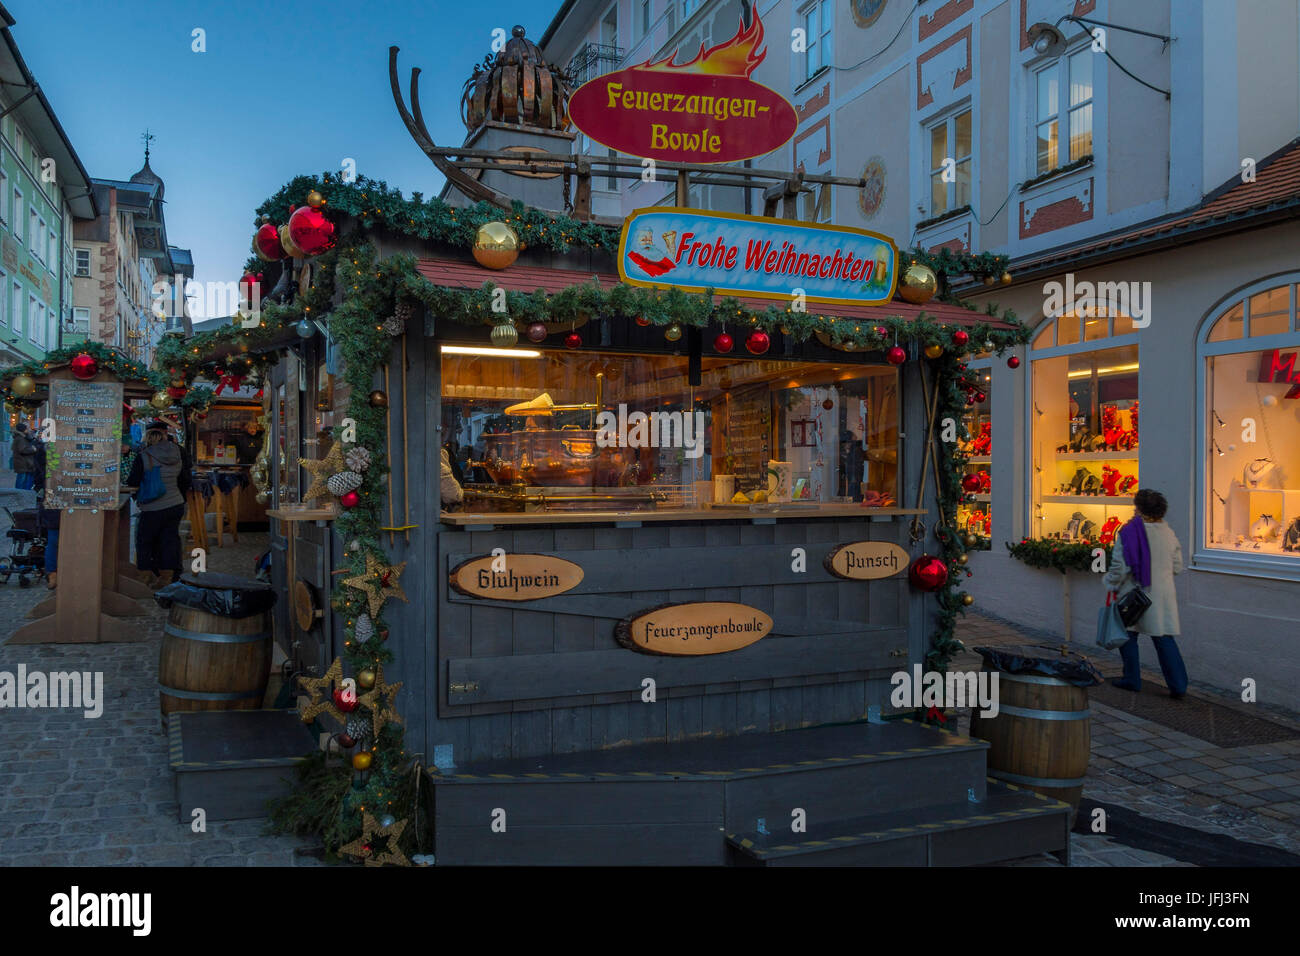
x=976 y=516
x=1086 y=433
x=534 y=430
x=1252 y=421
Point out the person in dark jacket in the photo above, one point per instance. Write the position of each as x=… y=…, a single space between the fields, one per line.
x=157 y=536
x=25 y=457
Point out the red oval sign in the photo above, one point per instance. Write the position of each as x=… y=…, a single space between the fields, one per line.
x=685 y=117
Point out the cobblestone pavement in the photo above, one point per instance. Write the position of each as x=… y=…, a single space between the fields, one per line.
x=84 y=792
x=99 y=792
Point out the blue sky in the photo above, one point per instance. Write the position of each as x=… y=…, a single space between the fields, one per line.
x=284 y=88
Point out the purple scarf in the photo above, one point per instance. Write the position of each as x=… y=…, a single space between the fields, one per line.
x=1137 y=553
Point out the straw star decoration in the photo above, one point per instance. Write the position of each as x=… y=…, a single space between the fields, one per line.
x=379 y=583
x=364 y=845
x=321 y=471
x=379 y=700
x=321 y=691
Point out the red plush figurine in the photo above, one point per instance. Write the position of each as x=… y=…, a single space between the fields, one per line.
x=1127 y=484
x=1108 y=531
x=1109 y=481
x=1110 y=428
x=986 y=483
x=984 y=441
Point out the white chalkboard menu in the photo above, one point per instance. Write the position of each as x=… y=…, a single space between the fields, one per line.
x=83 y=461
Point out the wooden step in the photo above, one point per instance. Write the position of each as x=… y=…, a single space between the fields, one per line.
x=1009 y=823
x=674 y=802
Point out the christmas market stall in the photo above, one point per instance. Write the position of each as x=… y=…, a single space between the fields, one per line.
x=605 y=540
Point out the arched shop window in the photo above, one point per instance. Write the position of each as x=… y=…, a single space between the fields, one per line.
x=1249 y=353
x=977 y=517
x=1083 y=454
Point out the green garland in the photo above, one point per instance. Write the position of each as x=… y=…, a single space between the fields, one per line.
x=110 y=360
x=1053 y=553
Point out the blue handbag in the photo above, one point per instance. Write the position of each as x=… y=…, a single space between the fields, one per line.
x=1111 y=632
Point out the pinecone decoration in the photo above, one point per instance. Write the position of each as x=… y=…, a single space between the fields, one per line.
x=365 y=628
x=395 y=324
x=343 y=482
x=358 y=728
x=358 y=459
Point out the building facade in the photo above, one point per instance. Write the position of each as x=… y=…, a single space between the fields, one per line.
x=44 y=191
x=1140 y=165
x=123 y=262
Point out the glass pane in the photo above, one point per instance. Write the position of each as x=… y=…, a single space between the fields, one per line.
x=1095 y=328
x=963 y=184
x=1081 y=132
x=963 y=134
x=1275 y=323
x=1068 y=329
x=1249 y=504
x=1081 y=76
x=602 y=431
x=938 y=195
x=1229 y=327
x=1047 y=147
x=1274 y=300
x=1045 y=338
x=1047 y=92
x=938 y=145
x=1123 y=325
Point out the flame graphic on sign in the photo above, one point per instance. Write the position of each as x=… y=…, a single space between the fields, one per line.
x=739 y=56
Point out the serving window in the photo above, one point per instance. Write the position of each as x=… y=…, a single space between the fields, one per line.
x=534 y=430
x=1251 y=418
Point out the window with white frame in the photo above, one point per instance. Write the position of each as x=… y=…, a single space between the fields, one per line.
x=816 y=20
x=5 y=317
x=1063 y=111
x=641 y=21
x=950 y=163
x=80 y=321
x=53 y=260
x=20 y=144
x=18 y=215
x=33 y=323
x=35 y=233
x=81 y=266
x=4 y=196
x=16 y=315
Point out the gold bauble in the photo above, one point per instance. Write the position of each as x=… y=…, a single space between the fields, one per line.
x=495 y=246
x=378 y=399
x=288 y=245
x=971 y=540
x=315 y=199
x=22 y=385
x=989 y=280
x=967 y=600
x=918 y=284
x=366 y=679
x=505 y=335
x=933 y=351
x=361 y=761
x=673 y=332
x=161 y=400
x=963 y=558
x=1006 y=278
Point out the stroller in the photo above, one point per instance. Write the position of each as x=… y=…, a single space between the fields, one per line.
x=26 y=555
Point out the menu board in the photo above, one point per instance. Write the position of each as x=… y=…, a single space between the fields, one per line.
x=83 y=461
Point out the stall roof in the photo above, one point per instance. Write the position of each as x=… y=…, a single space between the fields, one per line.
x=459 y=274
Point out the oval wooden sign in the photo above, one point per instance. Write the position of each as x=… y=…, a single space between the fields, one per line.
x=523 y=577
x=683 y=630
x=866 y=560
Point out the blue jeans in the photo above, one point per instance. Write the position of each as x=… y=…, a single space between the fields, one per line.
x=26 y=480
x=51 y=550
x=1171 y=663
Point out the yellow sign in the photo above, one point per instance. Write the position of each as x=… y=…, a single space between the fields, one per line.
x=705 y=627
x=516 y=577
x=866 y=560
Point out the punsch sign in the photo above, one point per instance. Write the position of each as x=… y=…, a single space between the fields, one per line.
x=695 y=250
x=706 y=110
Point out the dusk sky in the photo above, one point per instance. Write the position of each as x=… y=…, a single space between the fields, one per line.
x=283 y=89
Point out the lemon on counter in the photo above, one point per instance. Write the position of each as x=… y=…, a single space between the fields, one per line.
x=739 y=498
x=760 y=495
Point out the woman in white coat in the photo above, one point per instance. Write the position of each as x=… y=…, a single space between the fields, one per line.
x=1147 y=554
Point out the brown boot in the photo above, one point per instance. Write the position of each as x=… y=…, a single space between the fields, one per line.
x=51 y=581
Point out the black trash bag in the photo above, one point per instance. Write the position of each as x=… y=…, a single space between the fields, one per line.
x=221 y=594
x=1042 y=659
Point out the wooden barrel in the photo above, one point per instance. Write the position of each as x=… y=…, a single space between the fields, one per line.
x=1041 y=736
x=209 y=662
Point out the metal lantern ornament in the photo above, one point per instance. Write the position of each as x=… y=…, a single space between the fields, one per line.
x=918 y=284
x=495 y=246
x=504 y=335
x=516 y=86
x=927 y=573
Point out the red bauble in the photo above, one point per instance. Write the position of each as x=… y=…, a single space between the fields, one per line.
x=1013 y=362
x=537 y=332
x=573 y=340
x=758 y=342
x=345 y=700
x=896 y=355
x=980 y=398
x=880 y=330
x=347 y=741
x=971 y=483
x=349 y=499
x=828 y=404
x=267 y=243
x=311 y=231
x=84 y=367
x=960 y=337
x=248 y=285
x=642 y=321
x=723 y=343
x=176 y=391
x=927 y=573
